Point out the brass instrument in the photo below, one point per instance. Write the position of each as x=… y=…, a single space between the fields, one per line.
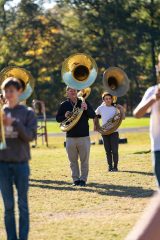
x=3 y=144
x=84 y=93
x=76 y=113
x=23 y=76
x=79 y=71
x=116 y=83
x=111 y=125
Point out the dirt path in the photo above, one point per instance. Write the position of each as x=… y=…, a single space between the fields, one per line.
x=121 y=130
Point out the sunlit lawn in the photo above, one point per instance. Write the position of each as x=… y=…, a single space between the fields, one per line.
x=53 y=126
x=104 y=210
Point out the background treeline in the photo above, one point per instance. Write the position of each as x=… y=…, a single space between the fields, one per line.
x=123 y=33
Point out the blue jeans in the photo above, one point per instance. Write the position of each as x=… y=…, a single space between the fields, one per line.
x=18 y=174
x=156 y=165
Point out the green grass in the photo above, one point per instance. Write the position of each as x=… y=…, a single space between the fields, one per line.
x=131 y=122
x=53 y=126
x=105 y=210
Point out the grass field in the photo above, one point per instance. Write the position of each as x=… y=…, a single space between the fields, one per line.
x=104 y=210
x=53 y=126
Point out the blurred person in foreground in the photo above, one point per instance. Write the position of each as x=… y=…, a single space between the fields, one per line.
x=20 y=127
x=147 y=228
x=151 y=103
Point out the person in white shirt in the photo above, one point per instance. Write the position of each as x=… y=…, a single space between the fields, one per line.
x=106 y=111
x=151 y=103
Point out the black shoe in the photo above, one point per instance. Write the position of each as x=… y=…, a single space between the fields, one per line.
x=82 y=183
x=76 y=183
x=115 y=169
x=110 y=169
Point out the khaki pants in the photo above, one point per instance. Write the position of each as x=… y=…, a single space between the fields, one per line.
x=78 y=147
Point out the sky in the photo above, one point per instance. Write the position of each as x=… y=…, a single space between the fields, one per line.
x=47 y=4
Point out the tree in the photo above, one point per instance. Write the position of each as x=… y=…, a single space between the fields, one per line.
x=114 y=32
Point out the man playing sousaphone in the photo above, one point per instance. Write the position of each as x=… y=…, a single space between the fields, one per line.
x=20 y=127
x=79 y=71
x=107 y=111
x=77 y=138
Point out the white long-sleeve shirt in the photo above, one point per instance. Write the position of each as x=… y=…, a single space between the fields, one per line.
x=154 y=119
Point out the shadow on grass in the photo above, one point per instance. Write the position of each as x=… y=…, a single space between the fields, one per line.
x=142 y=152
x=122 y=191
x=142 y=173
x=102 y=189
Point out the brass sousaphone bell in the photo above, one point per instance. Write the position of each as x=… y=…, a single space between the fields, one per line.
x=21 y=74
x=115 y=81
x=79 y=71
x=24 y=77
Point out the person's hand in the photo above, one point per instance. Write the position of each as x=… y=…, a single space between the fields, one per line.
x=7 y=120
x=67 y=114
x=84 y=106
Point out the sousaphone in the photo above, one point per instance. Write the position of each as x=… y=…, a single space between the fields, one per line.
x=79 y=71
x=115 y=82
x=22 y=75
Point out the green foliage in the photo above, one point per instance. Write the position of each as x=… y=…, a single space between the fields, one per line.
x=115 y=33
